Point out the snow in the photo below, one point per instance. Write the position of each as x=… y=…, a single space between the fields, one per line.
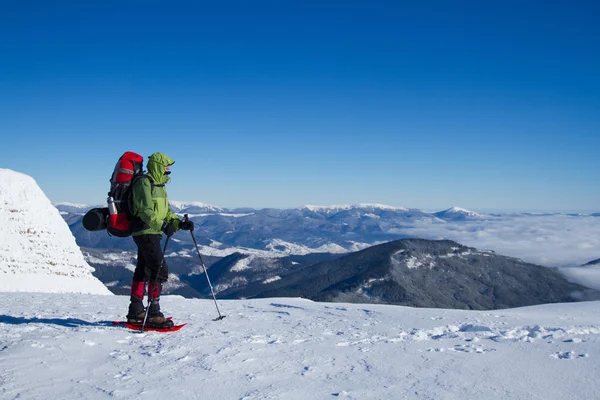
x=281 y=248
x=221 y=214
x=457 y=212
x=181 y=205
x=74 y=205
x=349 y=207
x=370 y=215
x=357 y=246
x=331 y=248
x=461 y=210
x=59 y=343
x=38 y=250
x=415 y=263
x=211 y=251
x=271 y=279
x=62 y=346
x=242 y=264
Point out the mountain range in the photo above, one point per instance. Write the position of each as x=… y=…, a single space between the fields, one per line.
x=357 y=253
x=411 y=272
x=303 y=230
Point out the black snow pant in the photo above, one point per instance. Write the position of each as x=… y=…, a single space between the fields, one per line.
x=148 y=260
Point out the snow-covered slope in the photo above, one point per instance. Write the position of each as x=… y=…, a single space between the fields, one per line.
x=457 y=214
x=282 y=248
x=63 y=346
x=337 y=208
x=193 y=207
x=38 y=253
x=73 y=208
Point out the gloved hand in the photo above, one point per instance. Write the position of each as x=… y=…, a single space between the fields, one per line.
x=186 y=225
x=169 y=228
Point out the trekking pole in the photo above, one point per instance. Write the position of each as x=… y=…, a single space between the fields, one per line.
x=155 y=281
x=220 y=317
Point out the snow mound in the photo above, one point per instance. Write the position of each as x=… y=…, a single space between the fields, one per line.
x=38 y=252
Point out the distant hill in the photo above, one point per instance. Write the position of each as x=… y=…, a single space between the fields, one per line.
x=457 y=214
x=186 y=277
x=594 y=262
x=421 y=273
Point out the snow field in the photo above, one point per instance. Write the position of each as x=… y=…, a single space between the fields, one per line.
x=64 y=346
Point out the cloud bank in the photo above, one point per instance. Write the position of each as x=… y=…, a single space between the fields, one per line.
x=550 y=240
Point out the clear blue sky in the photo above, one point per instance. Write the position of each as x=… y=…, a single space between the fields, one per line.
x=484 y=105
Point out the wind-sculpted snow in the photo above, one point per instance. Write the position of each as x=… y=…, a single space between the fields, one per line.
x=64 y=347
x=38 y=251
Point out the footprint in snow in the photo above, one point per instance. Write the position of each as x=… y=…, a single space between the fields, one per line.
x=285 y=306
x=573 y=340
x=461 y=348
x=119 y=355
x=568 y=355
x=471 y=349
x=343 y=393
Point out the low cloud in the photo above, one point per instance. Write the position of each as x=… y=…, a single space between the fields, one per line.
x=588 y=276
x=550 y=240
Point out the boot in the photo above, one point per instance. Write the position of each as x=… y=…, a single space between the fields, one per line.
x=137 y=312
x=156 y=319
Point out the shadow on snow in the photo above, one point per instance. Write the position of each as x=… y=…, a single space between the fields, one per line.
x=66 y=322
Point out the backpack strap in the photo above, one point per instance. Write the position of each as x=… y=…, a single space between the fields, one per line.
x=130 y=197
x=136 y=223
x=138 y=176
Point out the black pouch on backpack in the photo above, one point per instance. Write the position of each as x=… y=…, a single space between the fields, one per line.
x=96 y=219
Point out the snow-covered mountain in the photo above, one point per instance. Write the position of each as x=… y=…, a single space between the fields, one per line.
x=413 y=272
x=568 y=240
x=457 y=214
x=73 y=208
x=194 y=207
x=61 y=346
x=307 y=229
x=38 y=252
x=330 y=210
x=282 y=248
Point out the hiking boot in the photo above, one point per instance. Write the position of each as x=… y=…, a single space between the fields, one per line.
x=136 y=313
x=156 y=319
x=159 y=322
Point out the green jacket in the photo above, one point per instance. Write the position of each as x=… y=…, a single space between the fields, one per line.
x=149 y=201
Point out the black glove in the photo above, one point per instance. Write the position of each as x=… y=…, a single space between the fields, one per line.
x=186 y=225
x=169 y=228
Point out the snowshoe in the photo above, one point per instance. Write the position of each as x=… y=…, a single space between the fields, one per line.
x=138 y=327
x=159 y=321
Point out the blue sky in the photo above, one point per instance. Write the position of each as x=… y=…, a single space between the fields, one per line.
x=284 y=103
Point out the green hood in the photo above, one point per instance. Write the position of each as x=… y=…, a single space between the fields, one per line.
x=156 y=167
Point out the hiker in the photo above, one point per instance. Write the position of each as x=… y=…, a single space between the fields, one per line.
x=151 y=218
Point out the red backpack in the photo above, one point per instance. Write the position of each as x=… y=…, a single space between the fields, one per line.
x=119 y=199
